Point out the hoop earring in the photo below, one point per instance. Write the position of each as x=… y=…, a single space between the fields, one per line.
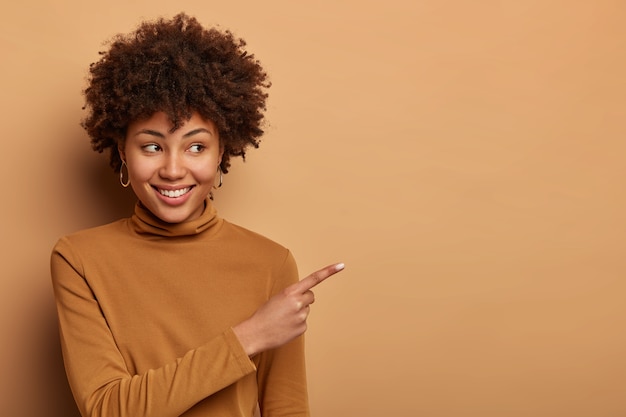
x=127 y=183
x=219 y=169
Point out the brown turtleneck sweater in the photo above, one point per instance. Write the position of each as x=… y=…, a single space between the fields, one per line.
x=145 y=314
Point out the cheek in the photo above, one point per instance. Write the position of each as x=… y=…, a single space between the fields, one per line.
x=205 y=173
x=205 y=169
x=139 y=169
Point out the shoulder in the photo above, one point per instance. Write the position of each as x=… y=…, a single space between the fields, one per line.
x=256 y=247
x=81 y=249
x=95 y=238
x=247 y=237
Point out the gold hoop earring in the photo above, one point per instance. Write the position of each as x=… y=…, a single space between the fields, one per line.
x=219 y=170
x=127 y=183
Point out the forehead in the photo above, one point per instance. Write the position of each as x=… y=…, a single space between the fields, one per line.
x=160 y=122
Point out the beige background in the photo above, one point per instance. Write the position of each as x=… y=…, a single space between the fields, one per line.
x=466 y=160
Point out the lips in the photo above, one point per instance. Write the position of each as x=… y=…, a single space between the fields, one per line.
x=174 y=193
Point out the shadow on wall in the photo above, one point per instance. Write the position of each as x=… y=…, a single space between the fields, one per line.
x=107 y=199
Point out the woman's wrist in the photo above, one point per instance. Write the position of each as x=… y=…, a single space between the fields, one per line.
x=246 y=338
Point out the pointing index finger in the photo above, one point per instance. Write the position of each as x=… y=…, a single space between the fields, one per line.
x=317 y=277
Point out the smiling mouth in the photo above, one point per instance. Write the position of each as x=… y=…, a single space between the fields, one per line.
x=174 y=193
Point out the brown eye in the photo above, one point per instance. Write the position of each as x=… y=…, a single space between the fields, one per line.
x=197 y=148
x=151 y=148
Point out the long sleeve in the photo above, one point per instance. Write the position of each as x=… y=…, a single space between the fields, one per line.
x=98 y=374
x=282 y=372
x=146 y=311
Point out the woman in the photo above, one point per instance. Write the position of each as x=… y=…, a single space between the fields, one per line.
x=175 y=311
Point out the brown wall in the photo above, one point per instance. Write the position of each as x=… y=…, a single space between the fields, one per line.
x=465 y=159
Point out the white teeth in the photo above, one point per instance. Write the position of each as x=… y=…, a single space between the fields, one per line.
x=175 y=193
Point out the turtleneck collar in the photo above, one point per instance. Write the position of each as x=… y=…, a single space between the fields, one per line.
x=144 y=222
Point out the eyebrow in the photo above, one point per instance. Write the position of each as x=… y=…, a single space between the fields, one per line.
x=162 y=136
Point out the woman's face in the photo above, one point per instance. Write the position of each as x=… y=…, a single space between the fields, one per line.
x=172 y=173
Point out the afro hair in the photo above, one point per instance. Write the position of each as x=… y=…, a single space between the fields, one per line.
x=177 y=67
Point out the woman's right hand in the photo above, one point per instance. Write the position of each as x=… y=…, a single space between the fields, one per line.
x=283 y=317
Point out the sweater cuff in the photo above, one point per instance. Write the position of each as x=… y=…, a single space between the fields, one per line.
x=244 y=361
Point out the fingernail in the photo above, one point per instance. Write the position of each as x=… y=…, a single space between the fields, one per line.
x=339 y=267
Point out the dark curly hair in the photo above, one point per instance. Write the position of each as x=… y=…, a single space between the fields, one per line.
x=176 y=66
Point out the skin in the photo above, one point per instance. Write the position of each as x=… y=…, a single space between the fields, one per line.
x=283 y=317
x=183 y=165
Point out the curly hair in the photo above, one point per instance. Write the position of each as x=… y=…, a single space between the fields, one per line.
x=176 y=66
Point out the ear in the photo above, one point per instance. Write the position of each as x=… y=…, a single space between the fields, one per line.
x=120 y=150
x=219 y=160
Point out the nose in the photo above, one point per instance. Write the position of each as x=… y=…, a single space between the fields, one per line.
x=173 y=166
